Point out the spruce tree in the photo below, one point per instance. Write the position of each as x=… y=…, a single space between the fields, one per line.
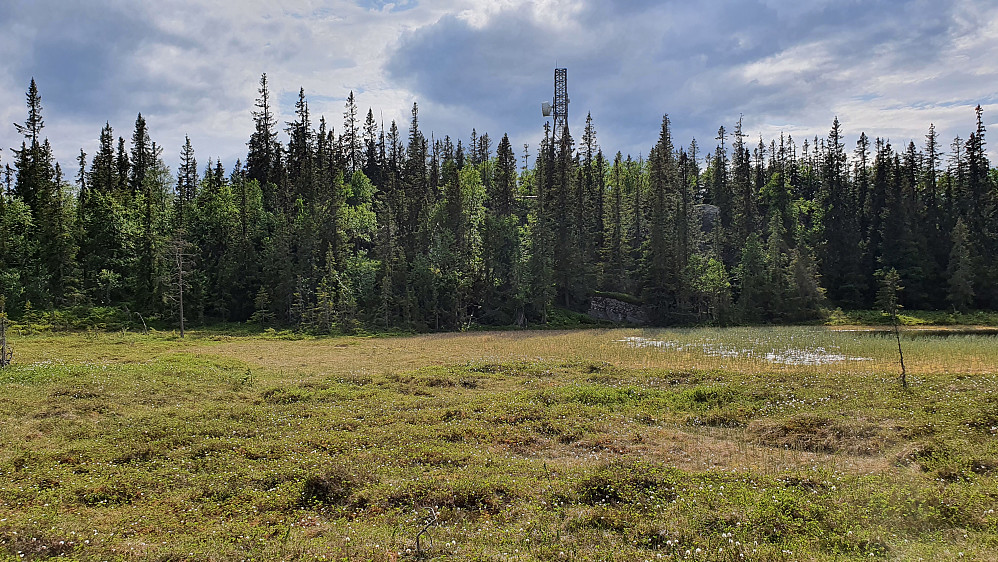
x=659 y=259
x=613 y=239
x=418 y=197
x=752 y=281
x=745 y=215
x=18 y=250
x=590 y=189
x=839 y=249
x=960 y=271
x=63 y=245
x=214 y=229
x=106 y=244
x=806 y=293
x=147 y=195
x=253 y=226
x=687 y=220
x=502 y=244
x=38 y=185
x=372 y=162
x=719 y=194
x=263 y=158
x=142 y=157
x=32 y=127
x=187 y=181
x=889 y=303
x=980 y=212
x=300 y=157
x=123 y=168
x=938 y=221
x=352 y=140
x=82 y=189
x=33 y=164
x=777 y=269
x=540 y=232
x=562 y=217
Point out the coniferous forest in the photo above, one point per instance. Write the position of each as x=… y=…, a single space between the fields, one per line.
x=367 y=227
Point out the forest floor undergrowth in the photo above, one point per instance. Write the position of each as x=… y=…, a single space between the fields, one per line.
x=784 y=443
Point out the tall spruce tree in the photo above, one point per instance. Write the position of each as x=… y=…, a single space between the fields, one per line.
x=147 y=193
x=300 y=156
x=352 y=141
x=38 y=185
x=540 y=231
x=614 y=272
x=32 y=162
x=123 y=168
x=745 y=215
x=187 y=182
x=142 y=156
x=661 y=276
x=418 y=197
x=840 y=248
x=563 y=216
x=502 y=244
x=264 y=157
x=106 y=245
x=372 y=162
x=981 y=210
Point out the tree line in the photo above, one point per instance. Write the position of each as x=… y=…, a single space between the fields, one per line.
x=370 y=228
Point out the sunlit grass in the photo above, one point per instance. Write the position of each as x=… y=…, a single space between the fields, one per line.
x=529 y=445
x=926 y=355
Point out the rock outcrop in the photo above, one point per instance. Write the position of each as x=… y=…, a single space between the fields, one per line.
x=613 y=310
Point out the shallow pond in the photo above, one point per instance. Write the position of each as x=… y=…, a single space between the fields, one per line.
x=808 y=355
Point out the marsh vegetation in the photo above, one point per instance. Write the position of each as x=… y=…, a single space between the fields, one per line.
x=527 y=445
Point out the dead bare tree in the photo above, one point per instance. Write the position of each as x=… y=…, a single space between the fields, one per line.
x=178 y=275
x=6 y=354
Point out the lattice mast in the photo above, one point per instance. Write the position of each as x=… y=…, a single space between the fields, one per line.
x=559 y=105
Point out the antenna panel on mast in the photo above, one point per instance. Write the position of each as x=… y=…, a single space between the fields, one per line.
x=559 y=105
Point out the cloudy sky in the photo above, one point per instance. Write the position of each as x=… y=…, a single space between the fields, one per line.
x=887 y=67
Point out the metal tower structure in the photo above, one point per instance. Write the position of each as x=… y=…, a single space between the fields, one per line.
x=559 y=105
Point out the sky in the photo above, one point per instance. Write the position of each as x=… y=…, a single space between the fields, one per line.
x=192 y=67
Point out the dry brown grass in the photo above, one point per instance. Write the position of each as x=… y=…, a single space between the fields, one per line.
x=969 y=354
x=377 y=355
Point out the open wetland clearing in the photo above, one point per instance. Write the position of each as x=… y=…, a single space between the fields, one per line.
x=698 y=444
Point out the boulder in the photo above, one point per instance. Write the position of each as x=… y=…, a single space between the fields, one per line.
x=613 y=310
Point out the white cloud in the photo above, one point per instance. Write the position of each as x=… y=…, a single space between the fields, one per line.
x=191 y=67
x=878 y=92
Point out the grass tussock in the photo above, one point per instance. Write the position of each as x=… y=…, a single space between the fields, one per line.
x=821 y=434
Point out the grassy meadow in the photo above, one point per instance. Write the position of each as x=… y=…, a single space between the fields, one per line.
x=699 y=444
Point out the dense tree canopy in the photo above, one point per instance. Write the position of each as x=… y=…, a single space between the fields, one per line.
x=379 y=229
